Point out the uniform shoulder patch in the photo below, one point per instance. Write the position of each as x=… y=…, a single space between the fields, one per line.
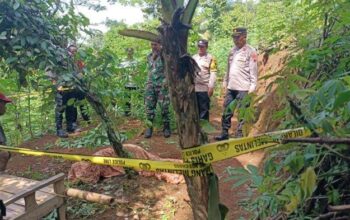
x=213 y=65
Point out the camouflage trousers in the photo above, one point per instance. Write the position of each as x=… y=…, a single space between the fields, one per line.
x=157 y=93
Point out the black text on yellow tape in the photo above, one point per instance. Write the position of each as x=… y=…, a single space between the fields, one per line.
x=137 y=164
x=233 y=147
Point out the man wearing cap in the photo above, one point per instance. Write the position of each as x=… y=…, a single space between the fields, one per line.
x=4 y=155
x=157 y=91
x=240 y=79
x=205 y=79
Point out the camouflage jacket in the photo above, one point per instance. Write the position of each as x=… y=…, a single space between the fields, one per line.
x=156 y=73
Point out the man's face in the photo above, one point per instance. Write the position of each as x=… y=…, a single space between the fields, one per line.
x=202 y=49
x=2 y=107
x=155 y=47
x=239 y=40
x=72 y=50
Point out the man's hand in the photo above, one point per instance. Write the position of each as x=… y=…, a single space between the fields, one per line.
x=210 y=92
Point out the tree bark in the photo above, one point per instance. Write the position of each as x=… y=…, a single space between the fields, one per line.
x=99 y=108
x=180 y=76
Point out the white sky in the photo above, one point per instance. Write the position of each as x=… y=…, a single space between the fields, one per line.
x=128 y=14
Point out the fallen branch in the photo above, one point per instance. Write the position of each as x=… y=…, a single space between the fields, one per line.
x=318 y=140
x=339 y=208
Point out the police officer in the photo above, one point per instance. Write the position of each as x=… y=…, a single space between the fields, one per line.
x=205 y=79
x=157 y=90
x=4 y=155
x=240 y=79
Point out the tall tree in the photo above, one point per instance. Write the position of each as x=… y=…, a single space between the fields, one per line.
x=180 y=70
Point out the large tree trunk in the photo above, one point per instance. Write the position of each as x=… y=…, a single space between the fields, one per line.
x=180 y=75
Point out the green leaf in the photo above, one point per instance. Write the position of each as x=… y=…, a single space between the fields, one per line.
x=16 y=5
x=3 y=35
x=11 y=60
x=341 y=99
x=145 y=35
x=189 y=12
x=308 y=182
x=240 y=182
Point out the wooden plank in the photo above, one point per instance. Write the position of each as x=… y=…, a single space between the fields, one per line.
x=43 y=209
x=6 y=195
x=40 y=196
x=13 y=189
x=37 y=186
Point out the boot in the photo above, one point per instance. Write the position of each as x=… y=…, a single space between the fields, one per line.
x=4 y=158
x=166 y=130
x=73 y=127
x=61 y=133
x=148 y=132
x=222 y=136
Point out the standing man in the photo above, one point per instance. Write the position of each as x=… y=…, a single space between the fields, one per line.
x=240 y=79
x=129 y=66
x=205 y=79
x=4 y=155
x=157 y=90
x=79 y=96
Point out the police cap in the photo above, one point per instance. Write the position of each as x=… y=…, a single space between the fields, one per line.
x=202 y=42
x=239 y=31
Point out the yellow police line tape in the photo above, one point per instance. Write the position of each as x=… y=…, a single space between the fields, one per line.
x=197 y=161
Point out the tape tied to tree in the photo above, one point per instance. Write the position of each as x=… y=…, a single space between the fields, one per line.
x=197 y=161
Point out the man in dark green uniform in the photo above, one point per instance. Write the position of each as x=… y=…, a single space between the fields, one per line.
x=157 y=90
x=4 y=155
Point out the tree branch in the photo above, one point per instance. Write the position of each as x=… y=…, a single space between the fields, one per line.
x=339 y=208
x=318 y=140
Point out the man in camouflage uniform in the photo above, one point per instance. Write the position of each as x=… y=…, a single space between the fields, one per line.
x=64 y=92
x=205 y=79
x=79 y=96
x=4 y=155
x=240 y=79
x=157 y=90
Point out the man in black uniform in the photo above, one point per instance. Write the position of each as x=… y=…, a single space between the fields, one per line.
x=4 y=155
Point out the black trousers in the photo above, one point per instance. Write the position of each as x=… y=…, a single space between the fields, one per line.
x=203 y=102
x=62 y=106
x=233 y=99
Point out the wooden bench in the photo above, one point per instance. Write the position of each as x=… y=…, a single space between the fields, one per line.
x=29 y=199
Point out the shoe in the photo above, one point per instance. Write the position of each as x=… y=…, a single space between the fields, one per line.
x=73 y=128
x=166 y=130
x=61 y=133
x=223 y=136
x=4 y=158
x=148 y=132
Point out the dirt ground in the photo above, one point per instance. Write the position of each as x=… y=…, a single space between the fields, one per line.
x=148 y=198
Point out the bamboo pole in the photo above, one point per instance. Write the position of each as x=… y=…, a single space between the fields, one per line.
x=91 y=196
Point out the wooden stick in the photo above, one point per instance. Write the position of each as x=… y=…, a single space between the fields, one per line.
x=90 y=196
x=339 y=208
x=318 y=140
